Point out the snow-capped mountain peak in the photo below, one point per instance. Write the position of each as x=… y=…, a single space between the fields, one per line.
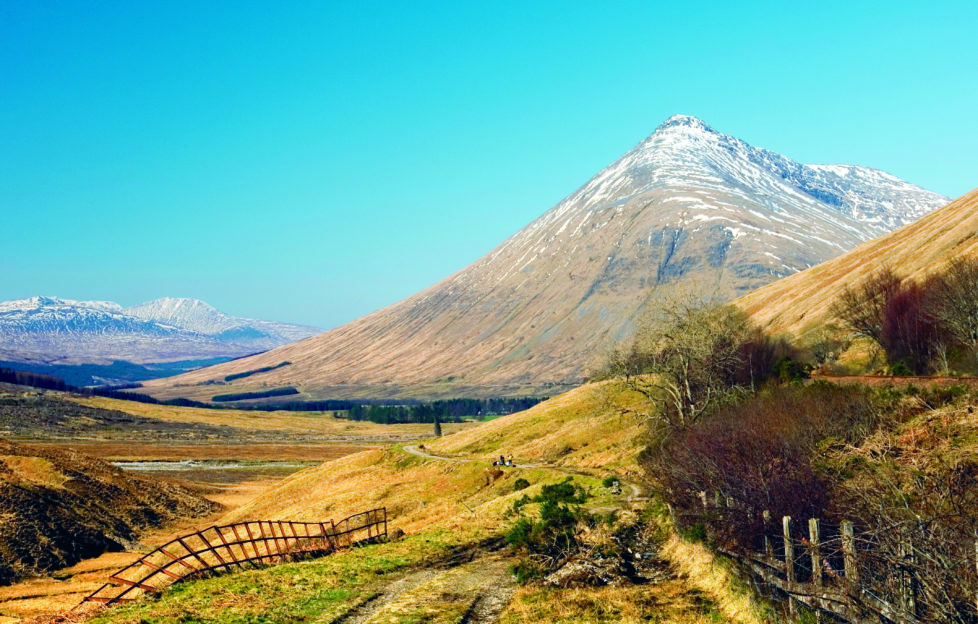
x=684 y=152
x=43 y=302
x=203 y=318
x=55 y=329
x=186 y=313
x=689 y=210
x=684 y=121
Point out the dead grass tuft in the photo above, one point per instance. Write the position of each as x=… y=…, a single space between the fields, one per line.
x=715 y=580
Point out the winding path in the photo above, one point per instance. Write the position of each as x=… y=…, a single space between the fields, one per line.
x=635 y=497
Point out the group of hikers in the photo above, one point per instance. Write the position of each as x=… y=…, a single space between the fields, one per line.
x=504 y=461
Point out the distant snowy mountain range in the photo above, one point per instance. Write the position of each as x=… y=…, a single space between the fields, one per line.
x=49 y=330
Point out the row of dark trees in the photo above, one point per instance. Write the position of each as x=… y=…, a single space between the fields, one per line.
x=50 y=382
x=922 y=326
x=451 y=410
x=34 y=380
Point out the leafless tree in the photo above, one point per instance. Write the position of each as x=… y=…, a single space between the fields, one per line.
x=956 y=299
x=862 y=308
x=693 y=357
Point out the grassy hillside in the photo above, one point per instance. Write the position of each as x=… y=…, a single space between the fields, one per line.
x=588 y=427
x=57 y=508
x=452 y=565
x=800 y=303
x=579 y=430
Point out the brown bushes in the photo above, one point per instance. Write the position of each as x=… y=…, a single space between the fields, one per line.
x=694 y=359
x=916 y=323
x=762 y=451
x=899 y=466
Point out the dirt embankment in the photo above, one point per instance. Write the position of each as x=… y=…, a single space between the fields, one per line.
x=59 y=507
x=897 y=382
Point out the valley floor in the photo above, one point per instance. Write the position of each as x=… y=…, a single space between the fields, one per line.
x=453 y=566
x=231 y=457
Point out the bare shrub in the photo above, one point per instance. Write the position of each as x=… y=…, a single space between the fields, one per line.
x=693 y=359
x=761 y=452
x=956 y=299
x=862 y=308
x=901 y=317
x=912 y=333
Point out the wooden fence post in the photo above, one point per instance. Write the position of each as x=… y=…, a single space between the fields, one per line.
x=768 y=548
x=789 y=551
x=814 y=546
x=849 y=555
x=908 y=581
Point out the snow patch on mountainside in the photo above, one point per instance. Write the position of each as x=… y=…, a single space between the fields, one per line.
x=198 y=316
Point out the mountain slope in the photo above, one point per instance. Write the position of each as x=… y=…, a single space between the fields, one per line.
x=801 y=302
x=63 y=331
x=197 y=316
x=687 y=208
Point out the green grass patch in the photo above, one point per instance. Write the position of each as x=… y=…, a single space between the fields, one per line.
x=318 y=590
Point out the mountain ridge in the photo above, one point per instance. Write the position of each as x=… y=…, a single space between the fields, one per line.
x=50 y=329
x=801 y=303
x=686 y=206
x=199 y=316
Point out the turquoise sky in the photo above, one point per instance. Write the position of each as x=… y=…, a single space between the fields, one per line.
x=311 y=162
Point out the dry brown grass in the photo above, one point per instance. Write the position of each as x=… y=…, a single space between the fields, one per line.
x=704 y=572
x=315 y=423
x=583 y=428
x=665 y=601
x=800 y=303
x=417 y=493
x=35 y=470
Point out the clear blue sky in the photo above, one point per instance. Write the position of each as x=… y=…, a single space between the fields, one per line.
x=314 y=162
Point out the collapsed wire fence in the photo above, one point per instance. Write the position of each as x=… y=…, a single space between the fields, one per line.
x=235 y=546
x=902 y=572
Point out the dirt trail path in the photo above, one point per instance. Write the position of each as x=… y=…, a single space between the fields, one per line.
x=637 y=494
x=471 y=593
x=486 y=582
